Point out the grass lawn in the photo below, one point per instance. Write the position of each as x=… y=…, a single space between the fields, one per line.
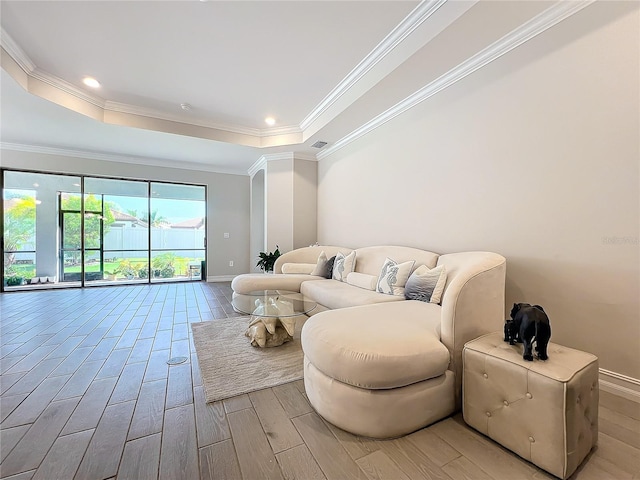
x=181 y=265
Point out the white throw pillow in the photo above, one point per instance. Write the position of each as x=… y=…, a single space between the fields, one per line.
x=393 y=277
x=321 y=265
x=426 y=284
x=343 y=266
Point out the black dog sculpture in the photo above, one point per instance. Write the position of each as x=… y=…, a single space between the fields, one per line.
x=528 y=324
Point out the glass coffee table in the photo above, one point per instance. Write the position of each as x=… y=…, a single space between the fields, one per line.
x=273 y=314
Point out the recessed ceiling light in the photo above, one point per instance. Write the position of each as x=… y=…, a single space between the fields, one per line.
x=91 y=82
x=185 y=106
x=270 y=121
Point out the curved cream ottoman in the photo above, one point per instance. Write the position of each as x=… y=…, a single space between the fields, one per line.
x=546 y=412
x=378 y=370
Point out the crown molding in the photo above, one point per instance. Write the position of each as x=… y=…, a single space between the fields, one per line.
x=525 y=32
x=110 y=157
x=261 y=163
x=66 y=87
x=412 y=21
x=232 y=128
x=14 y=50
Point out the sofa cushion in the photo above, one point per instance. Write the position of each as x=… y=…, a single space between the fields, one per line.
x=377 y=346
x=251 y=282
x=334 y=294
x=343 y=266
x=362 y=280
x=370 y=259
x=393 y=277
x=304 y=268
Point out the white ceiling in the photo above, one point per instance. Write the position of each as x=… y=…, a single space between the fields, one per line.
x=321 y=68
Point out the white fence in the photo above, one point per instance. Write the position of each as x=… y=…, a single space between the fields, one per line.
x=161 y=238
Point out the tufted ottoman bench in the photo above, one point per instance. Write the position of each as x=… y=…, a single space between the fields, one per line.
x=546 y=412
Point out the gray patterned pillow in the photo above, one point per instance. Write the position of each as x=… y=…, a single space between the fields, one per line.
x=343 y=266
x=426 y=285
x=393 y=277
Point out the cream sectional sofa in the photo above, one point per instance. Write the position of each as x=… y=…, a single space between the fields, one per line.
x=380 y=365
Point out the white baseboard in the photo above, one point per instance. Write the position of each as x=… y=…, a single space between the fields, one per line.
x=220 y=278
x=620 y=385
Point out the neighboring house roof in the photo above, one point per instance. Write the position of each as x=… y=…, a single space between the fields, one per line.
x=121 y=216
x=9 y=203
x=194 y=223
x=125 y=217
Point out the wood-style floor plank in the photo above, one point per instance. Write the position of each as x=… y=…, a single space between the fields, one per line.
x=157 y=367
x=105 y=449
x=332 y=458
x=219 y=462
x=129 y=383
x=89 y=411
x=80 y=381
x=377 y=466
x=356 y=446
x=32 y=406
x=281 y=433
x=255 y=456
x=179 y=455
x=619 y=453
x=149 y=413
x=298 y=463
x=114 y=363
x=293 y=402
x=63 y=459
x=211 y=421
x=413 y=461
x=34 y=445
x=179 y=387
x=31 y=379
x=141 y=458
x=237 y=403
x=9 y=438
x=439 y=452
x=463 y=469
x=482 y=451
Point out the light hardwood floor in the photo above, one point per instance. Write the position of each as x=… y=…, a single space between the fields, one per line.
x=86 y=393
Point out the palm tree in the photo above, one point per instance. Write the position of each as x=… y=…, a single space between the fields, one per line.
x=157 y=220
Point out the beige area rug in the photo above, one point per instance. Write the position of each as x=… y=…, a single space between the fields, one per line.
x=230 y=366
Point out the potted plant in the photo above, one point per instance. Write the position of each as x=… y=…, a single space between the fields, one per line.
x=14 y=281
x=268 y=260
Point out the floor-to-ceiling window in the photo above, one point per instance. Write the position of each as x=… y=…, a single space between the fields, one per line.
x=177 y=218
x=63 y=230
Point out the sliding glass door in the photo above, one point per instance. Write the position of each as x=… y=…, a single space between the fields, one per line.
x=177 y=221
x=62 y=230
x=116 y=230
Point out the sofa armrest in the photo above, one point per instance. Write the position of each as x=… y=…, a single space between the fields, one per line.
x=307 y=255
x=472 y=303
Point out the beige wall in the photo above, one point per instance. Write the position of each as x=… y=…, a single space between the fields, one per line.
x=227 y=200
x=291 y=203
x=305 y=204
x=279 y=205
x=535 y=156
